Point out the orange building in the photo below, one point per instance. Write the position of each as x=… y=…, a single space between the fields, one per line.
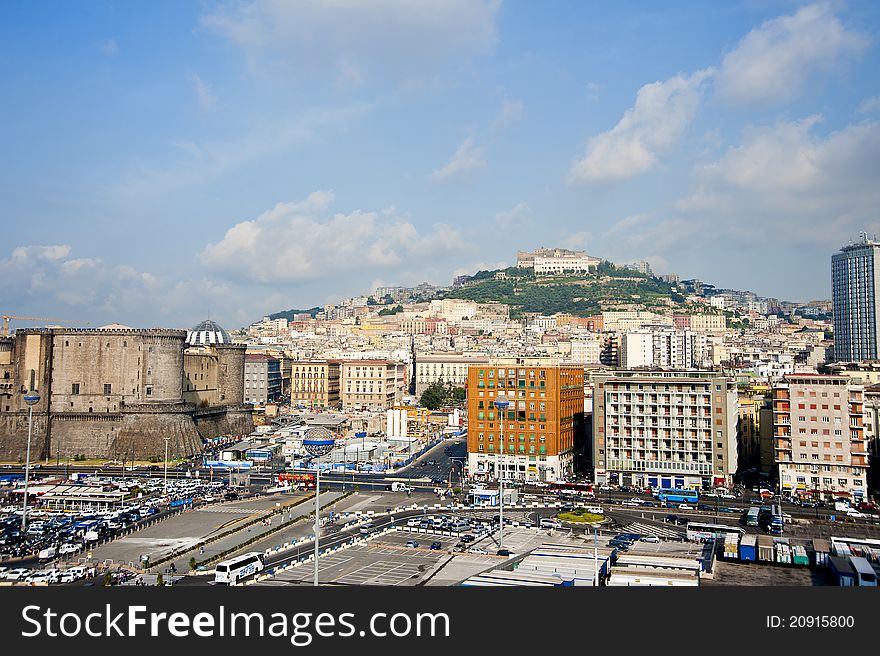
x=543 y=421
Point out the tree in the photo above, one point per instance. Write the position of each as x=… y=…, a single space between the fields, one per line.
x=434 y=396
x=458 y=393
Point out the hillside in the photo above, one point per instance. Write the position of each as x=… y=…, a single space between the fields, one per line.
x=289 y=314
x=580 y=295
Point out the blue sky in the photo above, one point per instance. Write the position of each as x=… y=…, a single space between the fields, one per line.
x=166 y=161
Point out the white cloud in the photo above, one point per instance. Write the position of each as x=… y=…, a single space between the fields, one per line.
x=397 y=37
x=468 y=157
x=786 y=182
x=577 y=240
x=660 y=115
x=202 y=90
x=47 y=278
x=511 y=111
x=869 y=105
x=516 y=216
x=295 y=242
x=774 y=61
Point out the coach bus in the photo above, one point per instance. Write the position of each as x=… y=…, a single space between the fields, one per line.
x=676 y=495
x=233 y=570
x=575 y=489
x=753 y=516
x=699 y=532
x=305 y=481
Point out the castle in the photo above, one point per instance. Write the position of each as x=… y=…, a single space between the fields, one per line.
x=118 y=392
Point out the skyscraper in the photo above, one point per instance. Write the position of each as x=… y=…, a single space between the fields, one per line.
x=854 y=280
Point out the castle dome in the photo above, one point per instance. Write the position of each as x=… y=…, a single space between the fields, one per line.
x=207 y=333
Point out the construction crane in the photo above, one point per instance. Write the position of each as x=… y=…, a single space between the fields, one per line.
x=8 y=317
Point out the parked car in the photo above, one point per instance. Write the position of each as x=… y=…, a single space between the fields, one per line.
x=411 y=544
x=684 y=506
x=436 y=546
x=650 y=538
x=478 y=550
x=671 y=519
x=504 y=552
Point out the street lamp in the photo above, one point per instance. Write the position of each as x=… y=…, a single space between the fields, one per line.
x=501 y=403
x=31 y=398
x=166 y=438
x=318 y=442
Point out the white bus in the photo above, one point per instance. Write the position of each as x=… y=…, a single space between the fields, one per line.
x=698 y=532
x=233 y=570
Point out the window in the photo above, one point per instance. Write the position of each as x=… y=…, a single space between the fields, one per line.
x=149 y=390
x=74 y=388
x=108 y=388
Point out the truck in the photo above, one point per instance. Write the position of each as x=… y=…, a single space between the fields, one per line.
x=765 y=548
x=397 y=486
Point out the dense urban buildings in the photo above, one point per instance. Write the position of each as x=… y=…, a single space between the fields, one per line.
x=819 y=436
x=854 y=281
x=664 y=429
x=535 y=438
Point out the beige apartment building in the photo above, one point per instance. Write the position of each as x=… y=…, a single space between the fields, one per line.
x=315 y=383
x=819 y=434
x=665 y=429
x=371 y=384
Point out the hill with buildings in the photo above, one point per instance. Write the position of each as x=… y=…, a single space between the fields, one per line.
x=580 y=294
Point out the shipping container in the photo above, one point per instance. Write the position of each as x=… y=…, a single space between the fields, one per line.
x=821 y=552
x=799 y=555
x=748 y=548
x=731 y=546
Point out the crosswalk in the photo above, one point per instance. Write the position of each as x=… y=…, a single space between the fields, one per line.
x=659 y=531
x=237 y=511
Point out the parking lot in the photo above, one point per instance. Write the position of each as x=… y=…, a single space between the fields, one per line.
x=387 y=560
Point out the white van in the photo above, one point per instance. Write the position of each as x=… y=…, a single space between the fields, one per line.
x=596 y=510
x=69 y=548
x=400 y=487
x=47 y=554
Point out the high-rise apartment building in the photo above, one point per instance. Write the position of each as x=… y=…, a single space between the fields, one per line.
x=541 y=425
x=664 y=429
x=854 y=280
x=819 y=436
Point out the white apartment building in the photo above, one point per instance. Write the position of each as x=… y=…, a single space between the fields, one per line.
x=586 y=350
x=663 y=348
x=665 y=429
x=448 y=368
